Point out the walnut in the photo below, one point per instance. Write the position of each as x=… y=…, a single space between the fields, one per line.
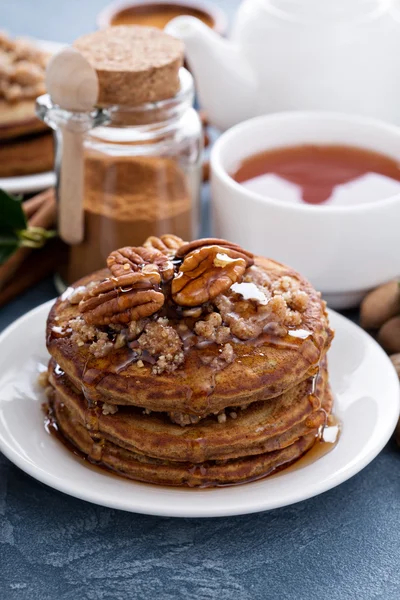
x=235 y=250
x=131 y=260
x=205 y=273
x=167 y=244
x=122 y=299
x=132 y=292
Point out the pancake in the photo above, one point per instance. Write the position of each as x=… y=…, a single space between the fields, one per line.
x=28 y=155
x=263 y=368
x=19 y=119
x=150 y=470
x=261 y=427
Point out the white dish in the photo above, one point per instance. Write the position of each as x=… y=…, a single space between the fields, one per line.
x=366 y=389
x=26 y=184
x=343 y=250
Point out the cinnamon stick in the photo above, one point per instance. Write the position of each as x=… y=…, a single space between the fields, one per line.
x=44 y=217
x=33 y=204
x=37 y=265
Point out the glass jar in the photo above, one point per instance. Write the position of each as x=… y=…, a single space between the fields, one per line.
x=142 y=173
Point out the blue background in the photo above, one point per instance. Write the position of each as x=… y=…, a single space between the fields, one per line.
x=344 y=544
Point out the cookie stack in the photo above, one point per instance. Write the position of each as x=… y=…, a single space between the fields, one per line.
x=190 y=364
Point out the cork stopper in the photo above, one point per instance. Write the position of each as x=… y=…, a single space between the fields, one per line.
x=134 y=64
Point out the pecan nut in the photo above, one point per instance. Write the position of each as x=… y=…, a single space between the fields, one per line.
x=122 y=300
x=205 y=273
x=167 y=244
x=129 y=260
x=236 y=251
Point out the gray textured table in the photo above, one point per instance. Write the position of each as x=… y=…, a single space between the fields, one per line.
x=342 y=545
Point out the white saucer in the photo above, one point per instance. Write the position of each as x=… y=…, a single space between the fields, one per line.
x=26 y=184
x=366 y=389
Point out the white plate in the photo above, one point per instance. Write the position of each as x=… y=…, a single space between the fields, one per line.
x=26 y=184
x=366 y=389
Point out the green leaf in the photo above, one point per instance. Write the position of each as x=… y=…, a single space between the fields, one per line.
x=12 y=215
x=8 y=239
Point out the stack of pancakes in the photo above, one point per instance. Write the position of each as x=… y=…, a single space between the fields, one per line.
x=207 y=422
x=26 y=144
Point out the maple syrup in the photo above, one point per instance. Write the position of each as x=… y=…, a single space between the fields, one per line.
x=327 y=442
x=321 y=175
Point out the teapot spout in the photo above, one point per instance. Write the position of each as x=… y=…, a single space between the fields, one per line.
x=225 y=82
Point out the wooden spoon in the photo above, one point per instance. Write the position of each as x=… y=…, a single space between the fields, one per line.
x=73 y=85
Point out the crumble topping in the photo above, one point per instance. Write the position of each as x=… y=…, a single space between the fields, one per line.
x=120 y=341
x=184 y=419
x=168 y=363
x=109 y=409
x=212 y=329
x=136 y=327
x=225 y=357
x=288 y=288
x=252 y=303
x=100 y=344
x=159 y=338
x=249 y=318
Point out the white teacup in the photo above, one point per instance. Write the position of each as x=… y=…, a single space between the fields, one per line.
x=343 y=250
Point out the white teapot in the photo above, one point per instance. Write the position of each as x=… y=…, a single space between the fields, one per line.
x=341 y=55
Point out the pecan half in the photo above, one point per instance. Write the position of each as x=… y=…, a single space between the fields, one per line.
x=122 y=299
x=237 y=251
x=205 y=273
x=129 y=259
x=167 y=244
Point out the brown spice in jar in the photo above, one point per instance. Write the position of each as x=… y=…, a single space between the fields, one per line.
x=126 y=200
